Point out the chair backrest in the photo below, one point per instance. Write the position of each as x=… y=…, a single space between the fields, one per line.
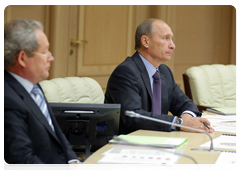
x=212 y=85
x=72 y=90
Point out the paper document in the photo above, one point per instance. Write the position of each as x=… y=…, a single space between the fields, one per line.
x=226 y=158
x=222 y=123
x=222 y=142
x=120 y=155
x=221 y=117
x=226 y=129
x=165 y=142
x=223 y=110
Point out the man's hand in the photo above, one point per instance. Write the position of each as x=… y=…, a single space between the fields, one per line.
x=195 y=122
x=74 y=165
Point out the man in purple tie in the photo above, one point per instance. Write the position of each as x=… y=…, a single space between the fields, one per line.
x=31 y=133
x=142 y=83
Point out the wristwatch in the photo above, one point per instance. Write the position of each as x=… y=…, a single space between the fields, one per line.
x=178 y=121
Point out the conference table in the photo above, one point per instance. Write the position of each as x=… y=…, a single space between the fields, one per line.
x=194 y=141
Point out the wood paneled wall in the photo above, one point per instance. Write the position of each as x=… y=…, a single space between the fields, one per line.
x=37 y=12
x=202 y=35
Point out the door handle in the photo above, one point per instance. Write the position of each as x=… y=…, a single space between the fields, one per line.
x=78 y=41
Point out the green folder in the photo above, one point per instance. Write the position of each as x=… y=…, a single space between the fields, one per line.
x=152 y=141
x=223 y=110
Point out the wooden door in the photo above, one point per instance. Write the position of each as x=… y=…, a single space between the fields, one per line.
x=109 y=32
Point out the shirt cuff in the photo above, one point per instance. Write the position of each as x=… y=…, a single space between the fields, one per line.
x=73 y=160
x=189 y=112
x=185 y=112
x=172 y=127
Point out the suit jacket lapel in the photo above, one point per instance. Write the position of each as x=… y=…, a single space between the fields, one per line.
x=54 y=122
x=144 y=73
x=145 y=77
x=20 y=90
x=164 y=93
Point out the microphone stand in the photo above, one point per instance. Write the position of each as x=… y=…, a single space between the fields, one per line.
x=123 y=141
x=137 y=115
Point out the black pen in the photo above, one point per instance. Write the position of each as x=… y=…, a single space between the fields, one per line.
x=205 y=124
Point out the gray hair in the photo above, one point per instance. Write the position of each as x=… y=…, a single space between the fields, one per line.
x=19 y=35
x=145 y=28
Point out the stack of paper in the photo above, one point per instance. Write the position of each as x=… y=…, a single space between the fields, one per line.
x=119 y=155
x=163 y=142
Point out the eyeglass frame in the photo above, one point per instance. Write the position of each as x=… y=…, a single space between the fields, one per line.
x=48 y=56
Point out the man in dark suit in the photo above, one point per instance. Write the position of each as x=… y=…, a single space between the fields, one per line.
x=131 y=84
x=31 y=133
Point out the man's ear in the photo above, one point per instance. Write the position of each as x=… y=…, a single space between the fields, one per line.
x=22 y=58
x=145 y=41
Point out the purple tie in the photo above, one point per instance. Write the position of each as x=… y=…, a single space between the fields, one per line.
x=156 y=93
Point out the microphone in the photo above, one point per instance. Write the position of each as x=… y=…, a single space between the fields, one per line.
x=137 y=115
x=123 y=141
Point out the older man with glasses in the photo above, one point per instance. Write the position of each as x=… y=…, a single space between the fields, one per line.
x=31 y=133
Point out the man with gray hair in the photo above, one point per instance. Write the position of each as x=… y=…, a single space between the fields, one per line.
x=143 y=84
x=31 y=133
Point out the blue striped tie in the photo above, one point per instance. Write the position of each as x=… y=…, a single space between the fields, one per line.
x=40 y=100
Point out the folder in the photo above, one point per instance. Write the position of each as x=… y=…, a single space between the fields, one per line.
x=223 y=110
x=154 y=141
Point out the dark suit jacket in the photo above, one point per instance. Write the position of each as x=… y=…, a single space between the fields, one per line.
x=28 y=138
x=130 y=86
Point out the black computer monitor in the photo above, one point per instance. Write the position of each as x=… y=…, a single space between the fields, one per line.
x=87 y=124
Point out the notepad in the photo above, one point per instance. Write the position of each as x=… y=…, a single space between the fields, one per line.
x=162 y=142
x=223 y=110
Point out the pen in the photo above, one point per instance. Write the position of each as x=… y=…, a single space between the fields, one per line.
x=228 y=135
x=205 y=124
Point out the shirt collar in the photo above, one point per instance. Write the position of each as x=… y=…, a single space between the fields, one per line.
x=24 y=82
x=150 y=68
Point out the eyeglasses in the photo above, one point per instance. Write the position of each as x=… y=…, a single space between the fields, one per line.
x=48 y=56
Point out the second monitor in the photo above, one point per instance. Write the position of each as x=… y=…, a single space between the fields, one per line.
x=87 y=124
